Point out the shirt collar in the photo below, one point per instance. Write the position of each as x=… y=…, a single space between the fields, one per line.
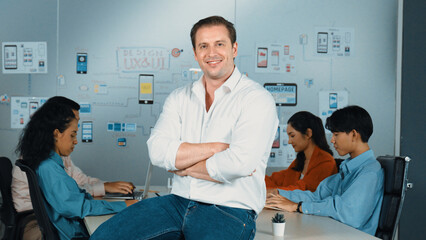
x=350 y=164
x=57 y=159
x=229 y=84
x=232 y=81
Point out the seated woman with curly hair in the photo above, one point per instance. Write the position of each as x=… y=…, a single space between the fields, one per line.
x=50 y=134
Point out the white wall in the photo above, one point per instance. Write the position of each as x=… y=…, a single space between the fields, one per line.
x=25 y=21
x=100 y=27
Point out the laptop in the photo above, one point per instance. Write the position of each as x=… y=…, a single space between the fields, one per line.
x=139 y=195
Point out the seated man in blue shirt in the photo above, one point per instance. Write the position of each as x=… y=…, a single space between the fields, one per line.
x=354 y=195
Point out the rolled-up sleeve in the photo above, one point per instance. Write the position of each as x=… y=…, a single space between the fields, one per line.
x=251 y=139
x=164 y=141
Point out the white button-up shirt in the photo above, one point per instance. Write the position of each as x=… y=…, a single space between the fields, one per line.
x=243 y=114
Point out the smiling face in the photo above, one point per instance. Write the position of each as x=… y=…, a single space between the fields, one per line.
x=299 y=141
x=65 y=141
x=214 y=52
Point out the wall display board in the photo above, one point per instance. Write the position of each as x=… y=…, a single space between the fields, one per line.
x=22 y=108
x=274 y=58
x=334 y=41
x=282 y=153
x=24 y=57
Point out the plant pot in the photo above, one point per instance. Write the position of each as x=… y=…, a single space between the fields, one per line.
x=278 y=229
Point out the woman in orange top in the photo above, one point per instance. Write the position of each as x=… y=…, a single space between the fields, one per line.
x=314 y=161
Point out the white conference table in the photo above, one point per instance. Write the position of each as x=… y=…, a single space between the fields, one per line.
x=298 y=226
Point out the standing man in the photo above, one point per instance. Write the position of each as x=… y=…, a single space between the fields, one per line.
x=215 y=135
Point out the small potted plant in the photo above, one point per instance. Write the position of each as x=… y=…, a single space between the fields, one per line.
x=278 y=224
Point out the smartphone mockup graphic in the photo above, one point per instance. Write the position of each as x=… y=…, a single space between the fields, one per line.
x=10 y=57
x=275 y=58
x=33 y=108
x=87 y=131
x=28 y=56
x=332 y=99
x=262 y=57
x=322 y=42
x=81 y=63
x=146 y=88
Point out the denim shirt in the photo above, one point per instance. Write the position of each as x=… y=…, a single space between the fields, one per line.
x=65 y=202
x=353 y=196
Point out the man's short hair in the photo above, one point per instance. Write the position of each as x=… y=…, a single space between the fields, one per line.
x=65 y=101
x=351 y=118
x=214 y=21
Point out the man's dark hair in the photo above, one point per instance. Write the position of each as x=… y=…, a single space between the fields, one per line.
x=65 y=101
x=301 y=122
x=351 y=118
x=214 y=21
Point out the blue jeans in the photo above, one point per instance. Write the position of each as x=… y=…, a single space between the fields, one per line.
x=174 y=217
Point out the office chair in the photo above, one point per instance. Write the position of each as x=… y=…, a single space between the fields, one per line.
x=395 y=186
x=47 y=229
x=14 y=222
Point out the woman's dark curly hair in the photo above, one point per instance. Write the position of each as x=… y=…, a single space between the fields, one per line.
x=37 y=142
x=301 y=121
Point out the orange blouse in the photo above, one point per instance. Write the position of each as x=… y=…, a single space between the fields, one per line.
x=320 y=166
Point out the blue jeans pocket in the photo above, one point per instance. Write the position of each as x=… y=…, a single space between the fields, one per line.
x=240 y=222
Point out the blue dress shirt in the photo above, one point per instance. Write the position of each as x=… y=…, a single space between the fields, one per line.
x=353 y=196
x=65 y=202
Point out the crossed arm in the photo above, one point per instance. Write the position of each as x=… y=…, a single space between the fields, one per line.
x=191 y=159
x=169 y=150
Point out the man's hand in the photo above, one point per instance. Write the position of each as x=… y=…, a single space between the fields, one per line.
x=119 y=187
x=278 y=201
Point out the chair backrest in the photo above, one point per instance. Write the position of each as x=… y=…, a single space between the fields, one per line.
x=395 y=186
x=7 y=211
x=37 y=199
